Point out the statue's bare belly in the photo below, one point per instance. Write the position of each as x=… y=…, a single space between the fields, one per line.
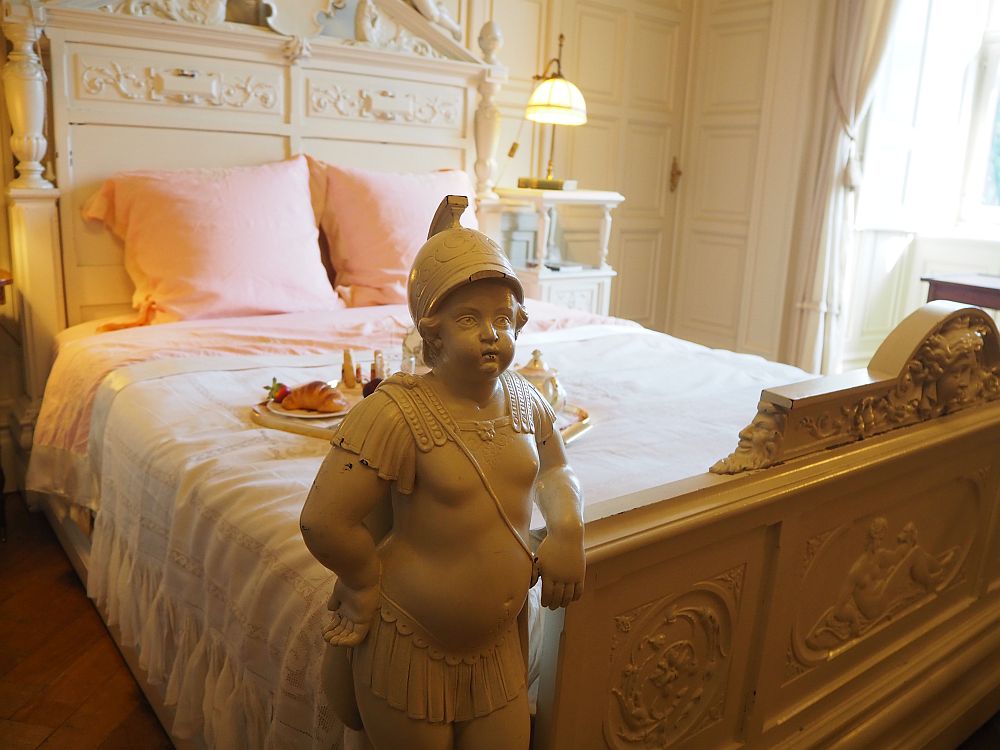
x=451 y=560
x=464 y=599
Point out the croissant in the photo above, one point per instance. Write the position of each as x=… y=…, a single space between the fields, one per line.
x=315 y=396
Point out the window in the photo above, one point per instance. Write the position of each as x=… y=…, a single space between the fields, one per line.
x=981 y=202
x=931 y=142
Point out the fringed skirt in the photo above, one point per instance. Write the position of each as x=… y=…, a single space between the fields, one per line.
x=405 y=666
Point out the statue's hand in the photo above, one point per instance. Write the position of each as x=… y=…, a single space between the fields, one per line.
x=353 y=611
x=561 y=564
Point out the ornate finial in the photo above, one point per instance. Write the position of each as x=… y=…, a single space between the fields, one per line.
x=490 y=41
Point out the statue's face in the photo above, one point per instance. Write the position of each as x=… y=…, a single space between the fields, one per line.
x=477 y=330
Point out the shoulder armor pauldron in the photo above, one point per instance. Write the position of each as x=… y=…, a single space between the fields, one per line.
x=423 y=411
x=522 y=396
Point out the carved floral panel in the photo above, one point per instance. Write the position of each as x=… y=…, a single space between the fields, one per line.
x=670 y=665
x=130 y=81
x=365 y=98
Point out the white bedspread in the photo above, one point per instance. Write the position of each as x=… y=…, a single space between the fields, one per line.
x=196 y=551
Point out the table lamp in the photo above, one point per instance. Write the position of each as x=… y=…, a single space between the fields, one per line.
x=555 y=101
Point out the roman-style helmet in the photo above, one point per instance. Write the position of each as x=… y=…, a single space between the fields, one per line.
x=452 y=257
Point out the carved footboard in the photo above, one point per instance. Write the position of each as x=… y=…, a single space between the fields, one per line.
x=848 y=598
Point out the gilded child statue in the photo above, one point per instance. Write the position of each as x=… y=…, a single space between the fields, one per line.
x=422 y=509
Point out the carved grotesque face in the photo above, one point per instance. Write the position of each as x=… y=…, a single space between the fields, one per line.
x=760 y=442
x=757 y=437
x=475 y=331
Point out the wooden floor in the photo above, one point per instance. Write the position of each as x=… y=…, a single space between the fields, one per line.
x=63 y=683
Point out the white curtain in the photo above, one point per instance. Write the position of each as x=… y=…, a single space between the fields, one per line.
x=824 y=225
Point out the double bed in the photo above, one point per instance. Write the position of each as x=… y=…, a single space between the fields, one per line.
x=834 y=583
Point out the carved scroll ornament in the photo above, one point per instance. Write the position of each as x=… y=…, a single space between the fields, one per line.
x=148 y=84
x=955 y=366
x=384 y=105
x=669 y=665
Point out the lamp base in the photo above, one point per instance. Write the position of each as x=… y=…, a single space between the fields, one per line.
x=542 y=183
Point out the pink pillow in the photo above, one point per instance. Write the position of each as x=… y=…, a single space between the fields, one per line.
x=375 y=222
x=210 y=243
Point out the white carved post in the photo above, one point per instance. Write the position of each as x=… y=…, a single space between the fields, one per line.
x=34 y=234
x=31 y=208
x=542 y=235
x=605 y=235
x=24 y=88
x=553 y=253
x=487 y=121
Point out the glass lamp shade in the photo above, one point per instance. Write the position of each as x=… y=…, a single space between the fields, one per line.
x=557 y=101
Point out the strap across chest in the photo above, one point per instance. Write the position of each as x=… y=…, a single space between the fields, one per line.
x=432 y=425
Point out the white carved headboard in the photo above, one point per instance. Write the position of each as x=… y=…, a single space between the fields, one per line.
x=148 y=84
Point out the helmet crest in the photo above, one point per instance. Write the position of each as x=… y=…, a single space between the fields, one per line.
x=452 y=257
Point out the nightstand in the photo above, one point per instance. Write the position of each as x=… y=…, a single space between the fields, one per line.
x=5 y=281
x=545 y=269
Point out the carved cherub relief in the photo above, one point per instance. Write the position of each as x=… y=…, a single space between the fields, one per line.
x=883 y=580
x=436 y=11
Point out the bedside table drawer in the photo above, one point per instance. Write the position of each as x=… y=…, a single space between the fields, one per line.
x=588 y=290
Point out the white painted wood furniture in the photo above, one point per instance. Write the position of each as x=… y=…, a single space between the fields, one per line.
x=546 y=271
x=719 y=611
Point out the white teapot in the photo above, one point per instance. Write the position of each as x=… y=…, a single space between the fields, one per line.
x=544 y=379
